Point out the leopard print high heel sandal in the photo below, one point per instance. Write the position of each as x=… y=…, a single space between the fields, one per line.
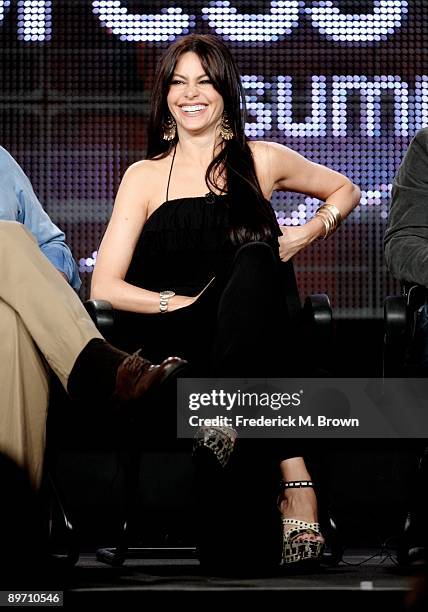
x=296 y=549
x=219 y=440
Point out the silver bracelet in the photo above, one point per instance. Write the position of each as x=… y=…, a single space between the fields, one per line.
x=164 y=297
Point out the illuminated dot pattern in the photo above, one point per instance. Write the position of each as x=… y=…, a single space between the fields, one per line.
x=387 y=16
x=4 y=5
x=344 y=83
x=315 y=124
x=371 y=92
x=228 y=22
x=34 y=20
x=163 y=26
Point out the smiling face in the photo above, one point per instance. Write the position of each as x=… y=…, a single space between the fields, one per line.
x=192 y=99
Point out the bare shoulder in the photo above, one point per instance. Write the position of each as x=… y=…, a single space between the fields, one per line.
x=144 y=169
x=146 y=177
x=268 y=158
x=268 y=154
x=261 y=154
x=259 y=148
x=266 y=149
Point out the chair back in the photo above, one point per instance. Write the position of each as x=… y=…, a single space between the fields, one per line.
x=400 y=328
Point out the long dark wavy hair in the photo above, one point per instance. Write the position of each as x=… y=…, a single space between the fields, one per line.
x=251 y=215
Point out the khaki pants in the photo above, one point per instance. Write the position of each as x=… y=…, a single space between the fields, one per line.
x=42 y=321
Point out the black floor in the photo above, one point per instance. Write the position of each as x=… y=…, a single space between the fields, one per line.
x=366 y=579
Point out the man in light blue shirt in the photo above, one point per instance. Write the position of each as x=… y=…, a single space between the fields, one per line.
x=18 y=202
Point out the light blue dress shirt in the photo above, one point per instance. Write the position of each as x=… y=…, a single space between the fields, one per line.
x=18 y=202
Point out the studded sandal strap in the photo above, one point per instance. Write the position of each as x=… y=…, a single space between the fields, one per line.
x=301 y=524
x=297 y=484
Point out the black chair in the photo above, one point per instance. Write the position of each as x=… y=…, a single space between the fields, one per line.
x=400 y=359
x=400 y=328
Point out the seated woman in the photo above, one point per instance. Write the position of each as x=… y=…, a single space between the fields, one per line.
x=193 y=247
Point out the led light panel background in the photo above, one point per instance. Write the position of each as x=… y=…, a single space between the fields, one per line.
x=344 y=82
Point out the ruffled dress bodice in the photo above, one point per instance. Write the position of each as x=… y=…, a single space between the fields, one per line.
x=183 y=245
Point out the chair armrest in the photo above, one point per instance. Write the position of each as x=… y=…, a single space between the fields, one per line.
x=318 y=331
x=317 y=311
x=415 y=295
x=400 y=320
x=395 y=319
x=102 y=314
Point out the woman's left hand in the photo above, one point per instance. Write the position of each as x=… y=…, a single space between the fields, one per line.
x=293 y=239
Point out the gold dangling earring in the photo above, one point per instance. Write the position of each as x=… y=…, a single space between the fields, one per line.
x=225 y=130
x=169 y=129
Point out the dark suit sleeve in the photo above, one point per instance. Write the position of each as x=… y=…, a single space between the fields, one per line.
x=406 y=237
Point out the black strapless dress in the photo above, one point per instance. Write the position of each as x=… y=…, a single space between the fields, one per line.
x=184 y=244
x=238 y=326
